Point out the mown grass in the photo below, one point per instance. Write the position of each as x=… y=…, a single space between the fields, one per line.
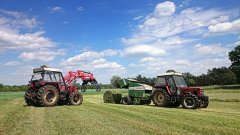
x=96 y=117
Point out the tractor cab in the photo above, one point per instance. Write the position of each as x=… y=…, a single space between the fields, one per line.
x=172 y=82
x=44 y=75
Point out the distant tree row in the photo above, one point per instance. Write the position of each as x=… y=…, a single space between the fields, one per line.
x=7 y=88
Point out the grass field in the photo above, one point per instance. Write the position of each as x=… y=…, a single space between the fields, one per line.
x=95 y=117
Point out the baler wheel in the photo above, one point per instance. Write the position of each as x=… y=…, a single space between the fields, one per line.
x=47 y=95
x=75 y=98
x=29 y=97
x=127 y=100
x=190 y=101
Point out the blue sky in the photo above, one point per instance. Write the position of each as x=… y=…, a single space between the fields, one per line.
x=110 y=37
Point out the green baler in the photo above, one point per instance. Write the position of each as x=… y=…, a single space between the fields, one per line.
x=137 y=93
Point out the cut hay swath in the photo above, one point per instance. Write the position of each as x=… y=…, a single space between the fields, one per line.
x=112 y=96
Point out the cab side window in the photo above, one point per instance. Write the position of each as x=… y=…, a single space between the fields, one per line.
x=58 y=77
x=160 y=81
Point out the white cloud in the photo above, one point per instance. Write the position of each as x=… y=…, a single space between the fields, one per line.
x=80 y=8
x=158 y=24
x=207 y=50
x=96 y=63
x=164 y=9
x=109 y=52
x=182 y=62
x=10 y=19
x=92 y=59
x=24 y=41
x=12 y=63
x=16 y=34
x=143 y=51
x=55 y=9
x=184 y=3
x=138 y=17
x=225 y=28
x=148 y=59
x=236 y=43
x=41 y=55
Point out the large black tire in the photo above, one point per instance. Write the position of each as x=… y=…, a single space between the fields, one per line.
x=29 y=97
x=127 y=100
x=204 y=104
x=160 y=98
x=75 y=98
x=190 y=101
x=47 y=95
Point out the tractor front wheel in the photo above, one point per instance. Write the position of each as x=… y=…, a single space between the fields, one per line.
x=75 y=98
x=127 y=100
x=190 y=101
x=160 y=98
x=47 y=95
x=29 y=97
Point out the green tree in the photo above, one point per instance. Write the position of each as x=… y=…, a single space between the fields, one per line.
x=171 y=70
x=114 y=81
x=1 y=86
x=234 y=56
x=191 y=82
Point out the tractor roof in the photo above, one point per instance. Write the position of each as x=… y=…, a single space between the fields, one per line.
x=43 y=69
x=171 y=73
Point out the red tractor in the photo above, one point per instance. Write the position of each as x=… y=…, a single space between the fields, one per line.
x=171 y=90
x=48 y=87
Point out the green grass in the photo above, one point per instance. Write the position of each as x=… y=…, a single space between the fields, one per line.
x=96 y=117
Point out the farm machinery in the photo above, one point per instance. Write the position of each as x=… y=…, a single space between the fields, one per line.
x=49 y=87
x=170 y=90
x=138 y=93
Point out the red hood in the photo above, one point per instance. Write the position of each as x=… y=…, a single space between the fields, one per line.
x=191 y=88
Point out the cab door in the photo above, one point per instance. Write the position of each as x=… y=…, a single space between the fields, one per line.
x=171 y=85
x=60 y=81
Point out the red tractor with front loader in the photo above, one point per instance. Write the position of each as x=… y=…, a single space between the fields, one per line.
x=171 y=90
x=48 y=87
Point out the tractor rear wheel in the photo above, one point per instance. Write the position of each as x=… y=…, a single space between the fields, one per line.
x=190 y=101
x=127 y=100
x=160 y=98
x=29 y=97
x=47 y=95
x=75 y=98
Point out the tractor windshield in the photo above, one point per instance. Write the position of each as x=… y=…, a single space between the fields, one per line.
x=37 y=76
x=180 y=81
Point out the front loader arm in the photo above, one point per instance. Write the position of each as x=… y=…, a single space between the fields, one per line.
x=71 y=78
